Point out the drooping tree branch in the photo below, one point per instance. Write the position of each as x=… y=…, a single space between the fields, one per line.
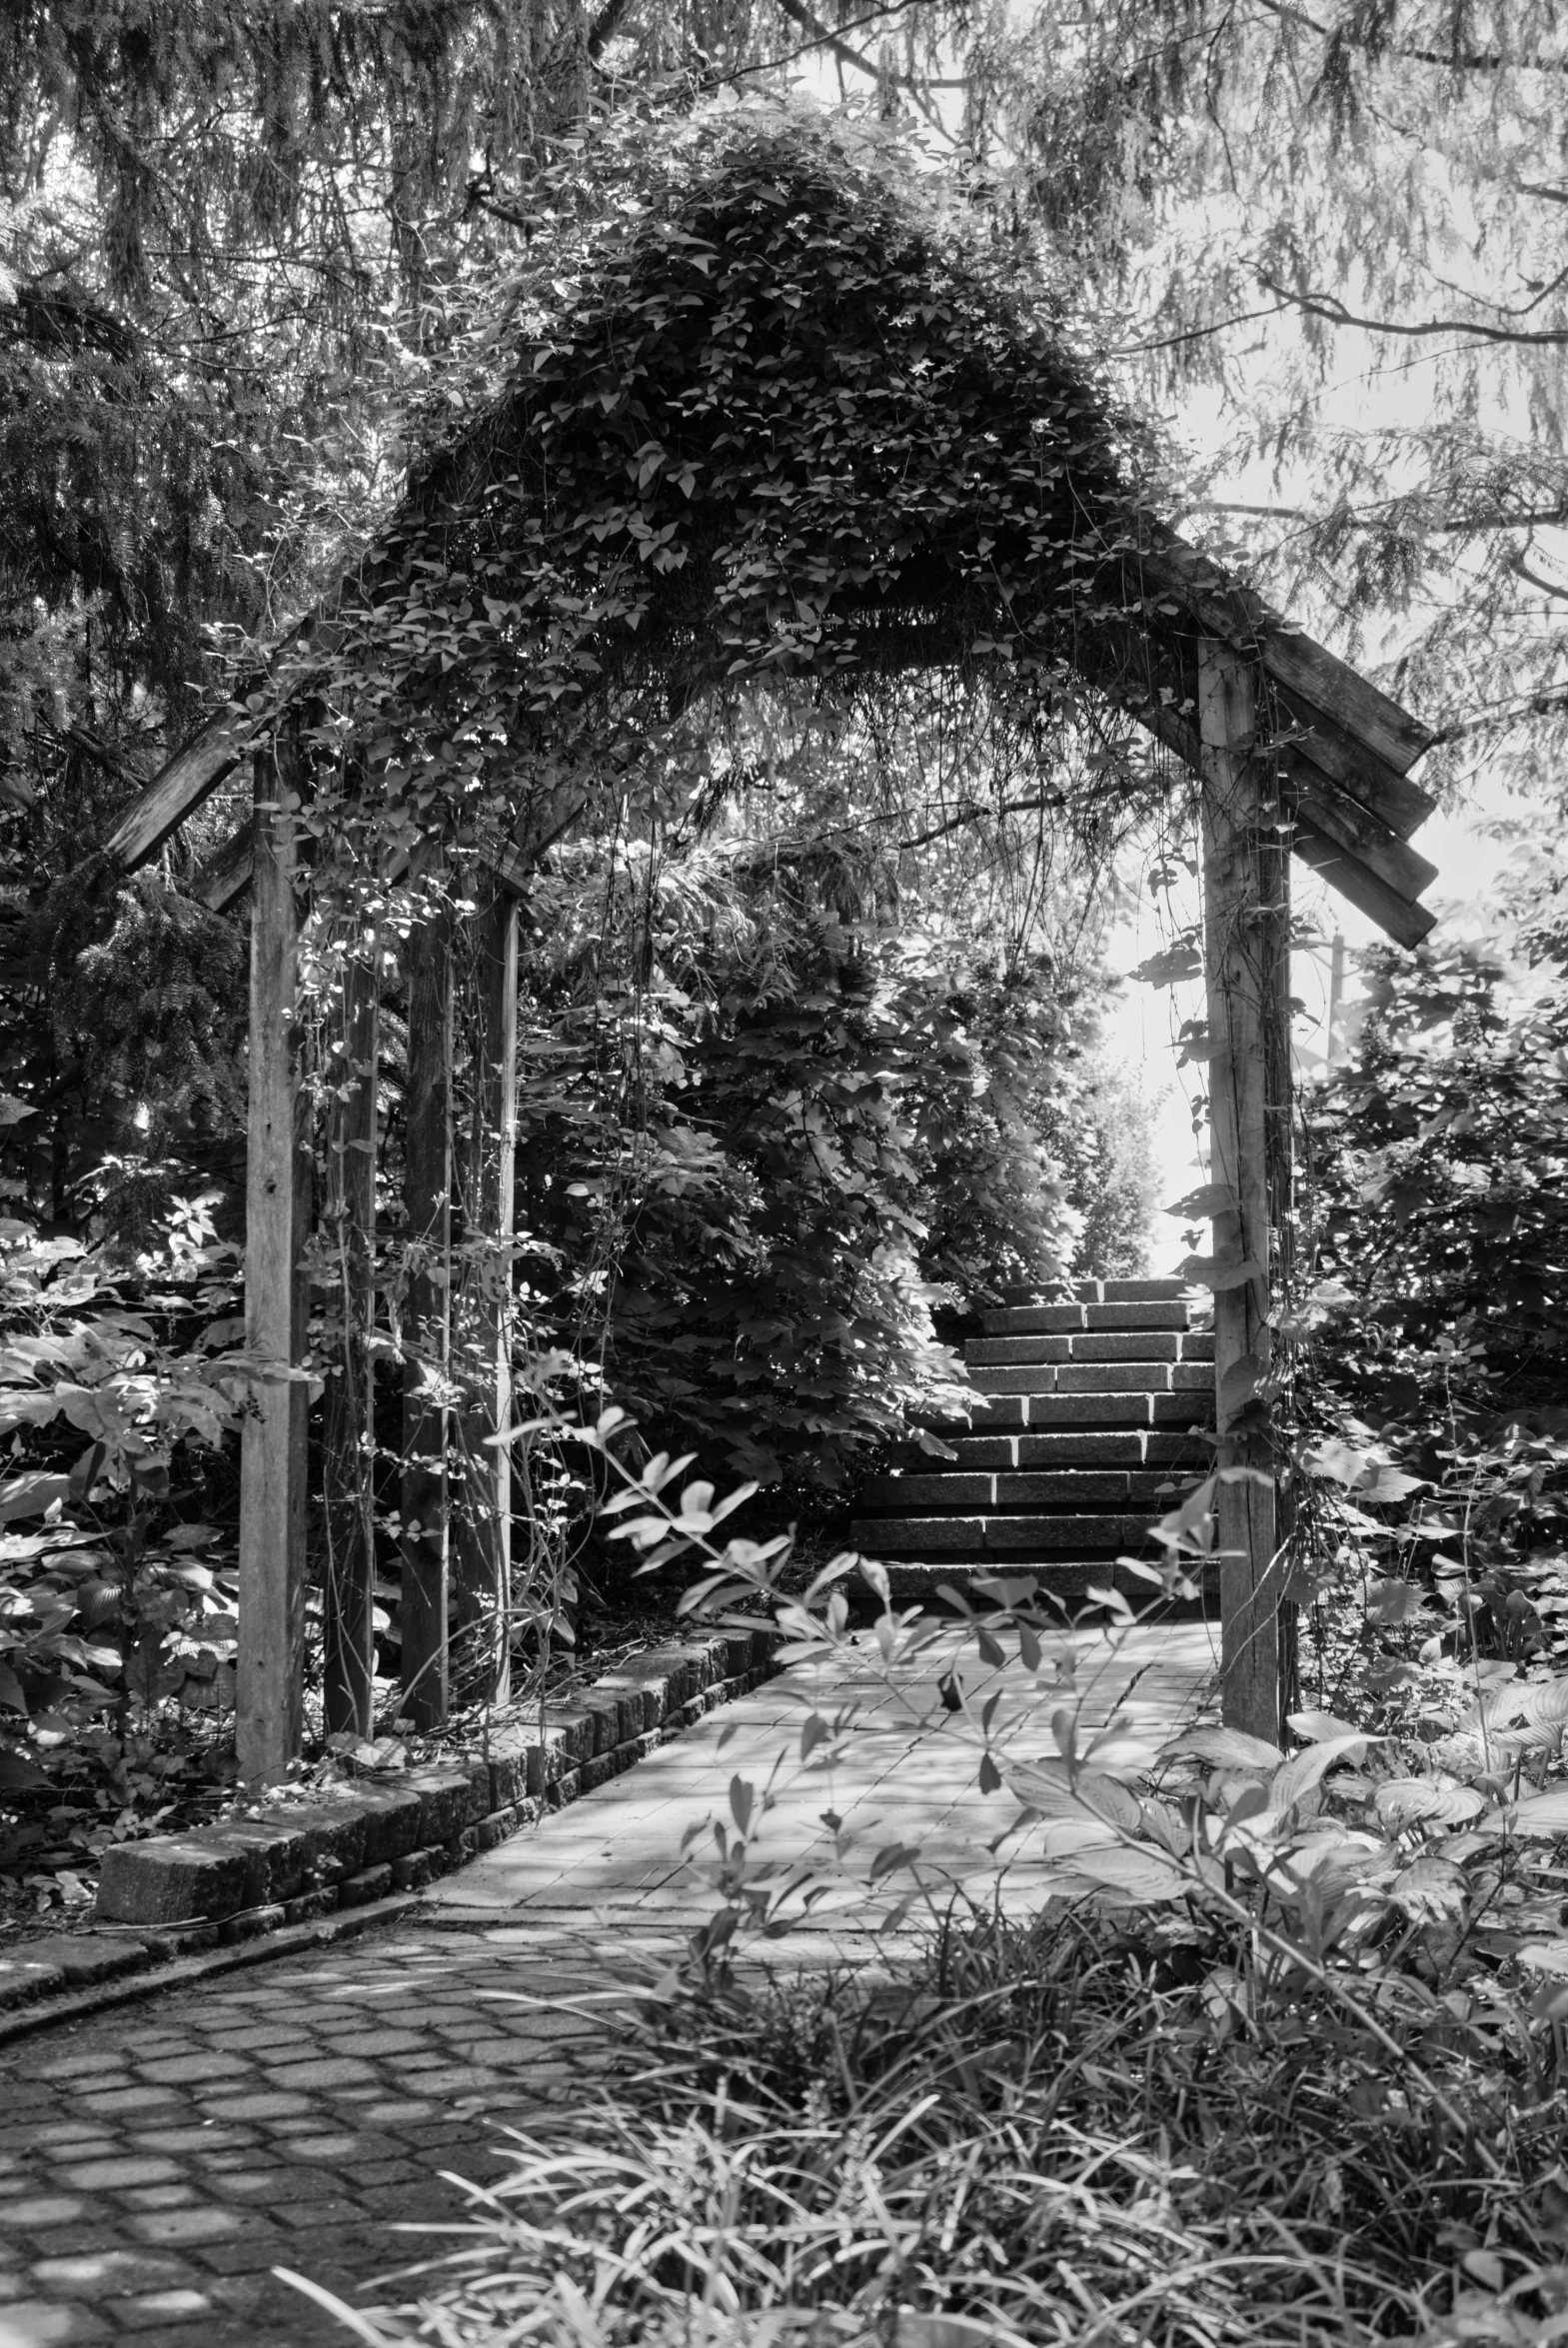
x=1329 y=308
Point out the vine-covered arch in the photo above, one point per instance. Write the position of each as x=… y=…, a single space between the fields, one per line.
x=760 y=419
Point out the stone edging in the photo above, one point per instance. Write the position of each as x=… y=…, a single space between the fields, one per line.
x=344 y=1849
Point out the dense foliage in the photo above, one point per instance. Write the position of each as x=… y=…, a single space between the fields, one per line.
x=1432 y=1380
x=1440 y=1172
x=1279 y=2062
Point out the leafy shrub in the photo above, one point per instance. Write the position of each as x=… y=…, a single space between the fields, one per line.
x=1438 y=1167
x=117 y=1389
x=764 y=1129
x=1280 y=2061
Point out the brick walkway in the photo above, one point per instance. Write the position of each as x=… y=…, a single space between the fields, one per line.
x=158 y=2162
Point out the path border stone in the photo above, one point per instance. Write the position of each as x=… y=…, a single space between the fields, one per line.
x=362 y=1851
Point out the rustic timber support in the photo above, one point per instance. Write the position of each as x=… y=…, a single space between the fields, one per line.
x=427 y=1195
x=482 y=1563
x=270 y=1659
x=1246 y=929
x=349 y=1227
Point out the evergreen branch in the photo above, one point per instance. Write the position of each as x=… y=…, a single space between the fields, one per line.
x=1329 y=308
x=1493 y=719
x=969 y=815
x=821 y=33
x=1452 y=60
x=1193 y=334
x=1468 y=524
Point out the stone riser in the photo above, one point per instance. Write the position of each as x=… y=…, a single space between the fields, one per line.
x=1129 y=1447
x=920 y=1580
x=985 y=1536
x=1096 y=1378
x=1150 y=1347
x=1098 y=1411
x=1018 y=1321
x=1076 y=1488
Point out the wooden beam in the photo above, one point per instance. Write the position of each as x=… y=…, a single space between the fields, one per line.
x=1400 y=866
x=1170 y=570
x=1246 y=940
x=179 y=787
x=427 y=1193
x=1346 y=764
x=349 y=1227
x=269 y=1698
x=222 y=880
x=482 y=1565
x=1394 y=914
x=224 y=877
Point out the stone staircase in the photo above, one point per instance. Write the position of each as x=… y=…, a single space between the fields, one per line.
x=1086 y=1430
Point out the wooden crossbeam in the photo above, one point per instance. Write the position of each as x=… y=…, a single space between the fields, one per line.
x=1168 y=570
x=1359 y=855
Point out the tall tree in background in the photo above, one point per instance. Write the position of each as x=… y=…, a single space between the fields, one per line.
x=1343 y=225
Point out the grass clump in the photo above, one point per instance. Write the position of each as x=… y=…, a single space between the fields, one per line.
x=1082 y=2131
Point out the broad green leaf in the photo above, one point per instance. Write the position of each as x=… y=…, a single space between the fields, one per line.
x=1137 y=1876
x=1543 y=1813
x=1225 y=1748
x=1316 y=1727
x=1303 y=1771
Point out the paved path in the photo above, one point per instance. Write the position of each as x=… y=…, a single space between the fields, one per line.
x=158 y=2162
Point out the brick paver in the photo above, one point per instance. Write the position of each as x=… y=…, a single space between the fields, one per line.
x=159 y=2161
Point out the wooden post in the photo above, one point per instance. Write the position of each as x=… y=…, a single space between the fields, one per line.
x=347 y=1640
x=1246 y=929
x=270 y=1662
x=482 y=1563
x=427 y=1195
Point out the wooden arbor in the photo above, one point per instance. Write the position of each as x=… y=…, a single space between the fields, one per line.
x=737 y=454
x=1295 y=753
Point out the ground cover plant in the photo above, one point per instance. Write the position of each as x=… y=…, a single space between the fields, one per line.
x=1281 y=2059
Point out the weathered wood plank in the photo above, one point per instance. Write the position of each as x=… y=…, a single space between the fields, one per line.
x=1394 y=914
x=349 y=1224
x=222 y=880
x=1349 y=828
x=427 y=1193
x=1172 y=570
x=179 y=787
x=482 y=1563
x=1247 y=938
x=1344 y=763
x=269 y=1661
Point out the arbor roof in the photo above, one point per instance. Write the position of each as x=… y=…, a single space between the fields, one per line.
x=760 y=419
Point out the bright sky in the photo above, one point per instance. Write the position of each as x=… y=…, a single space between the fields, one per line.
x=1145 y=1022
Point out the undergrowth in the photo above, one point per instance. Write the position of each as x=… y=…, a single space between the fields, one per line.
x=1275 y=2060
x=1059 y=2131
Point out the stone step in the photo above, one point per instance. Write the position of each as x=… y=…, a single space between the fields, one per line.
x=1130 y=1448
x=920 y=1580
x=995 y=1535
x=994 y=1412
x=1094 y=1378
x=1092 y=1345
x=1022 y=1319
x=1070 y=1488
x=1091 y=1292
